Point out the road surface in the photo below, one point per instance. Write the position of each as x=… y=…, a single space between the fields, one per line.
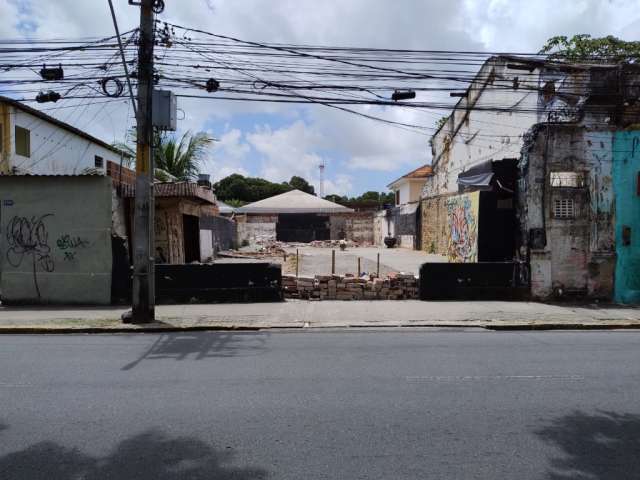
x=415 y=404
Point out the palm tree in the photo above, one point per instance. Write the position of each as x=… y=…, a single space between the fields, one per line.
x=182 y=159
x=177 y=160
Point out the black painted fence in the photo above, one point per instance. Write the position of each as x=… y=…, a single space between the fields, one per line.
x=474 y=281
x=219 y=282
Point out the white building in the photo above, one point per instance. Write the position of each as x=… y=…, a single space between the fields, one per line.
x=407 y=188
x=32 y=142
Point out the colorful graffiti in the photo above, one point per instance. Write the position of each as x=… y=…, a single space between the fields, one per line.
x=462 y=234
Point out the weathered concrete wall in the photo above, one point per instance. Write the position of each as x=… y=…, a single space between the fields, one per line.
x=169 y=236
x=222 y=234
x=434 y=225
x=356 y=226
x=579 y=255
x=475 y=133
x=255 y=233
x=359 y=227
x=56 y=239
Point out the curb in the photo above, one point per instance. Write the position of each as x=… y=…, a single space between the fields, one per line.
x=202 y=328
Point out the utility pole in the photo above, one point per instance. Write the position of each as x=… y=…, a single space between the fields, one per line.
x=143 y=310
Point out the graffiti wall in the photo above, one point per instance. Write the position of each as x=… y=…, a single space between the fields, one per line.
x=55 y=239
x=462 y=227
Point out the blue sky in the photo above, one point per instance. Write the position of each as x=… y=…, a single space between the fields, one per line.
x=279 y=141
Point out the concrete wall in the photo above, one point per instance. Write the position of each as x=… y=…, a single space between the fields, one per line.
x=216 y=233
x=356 y=226
x=56 y=239
x=434 y=225
x=473 y=135
x=579 y=255
x=54 y=150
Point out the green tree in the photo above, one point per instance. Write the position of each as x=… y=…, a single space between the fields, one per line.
x=440 y=122
x=182 y=158
x=300 y=183
x=585 y=48
x=174 y=159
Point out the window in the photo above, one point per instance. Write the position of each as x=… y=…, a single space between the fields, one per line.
x=564 y=208
x=99 y=161
x=23 y=141
x=567 y=179
x=397 y=197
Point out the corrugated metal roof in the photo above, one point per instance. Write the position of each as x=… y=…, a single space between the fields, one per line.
x=295 y=201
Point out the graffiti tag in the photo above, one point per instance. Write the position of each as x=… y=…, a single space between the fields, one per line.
x=28 y=237
x=69 y=245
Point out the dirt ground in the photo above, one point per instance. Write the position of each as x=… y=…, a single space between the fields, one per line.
x=317 y=261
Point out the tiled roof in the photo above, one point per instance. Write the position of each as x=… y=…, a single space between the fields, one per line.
x=188 y=190
x=423 y=171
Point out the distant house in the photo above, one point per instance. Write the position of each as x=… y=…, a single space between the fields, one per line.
x=297 y=216
x=402 y=220
x=408 y=187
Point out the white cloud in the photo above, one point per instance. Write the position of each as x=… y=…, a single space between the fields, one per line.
x=350 y=145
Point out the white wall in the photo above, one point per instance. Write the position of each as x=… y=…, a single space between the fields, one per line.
x=410 y=190
x=484 y=134
x=54 y=150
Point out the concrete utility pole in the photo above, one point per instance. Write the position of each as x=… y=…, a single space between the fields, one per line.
x=143 y=226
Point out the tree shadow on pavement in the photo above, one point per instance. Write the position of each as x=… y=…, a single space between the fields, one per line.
x=605 y=445
x=152 y=455
x=201 y=345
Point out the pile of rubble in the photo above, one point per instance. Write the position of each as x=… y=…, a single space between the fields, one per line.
x=333 y=243
x=398 y=286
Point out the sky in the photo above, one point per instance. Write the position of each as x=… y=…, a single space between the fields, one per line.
x=276 y=141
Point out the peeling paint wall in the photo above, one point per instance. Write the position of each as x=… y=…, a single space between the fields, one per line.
x=473 y=134
x=579 y=255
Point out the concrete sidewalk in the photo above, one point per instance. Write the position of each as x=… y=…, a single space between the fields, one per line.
x=304 y=314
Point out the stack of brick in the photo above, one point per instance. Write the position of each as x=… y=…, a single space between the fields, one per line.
x=337 y=287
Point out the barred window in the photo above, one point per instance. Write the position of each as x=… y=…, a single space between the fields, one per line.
x=564 y=208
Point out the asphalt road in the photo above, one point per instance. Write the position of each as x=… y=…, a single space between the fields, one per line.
x=359 y=404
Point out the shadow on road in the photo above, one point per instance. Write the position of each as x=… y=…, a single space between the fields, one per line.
x=601 y=446
x=200 y=345
x=150 y=455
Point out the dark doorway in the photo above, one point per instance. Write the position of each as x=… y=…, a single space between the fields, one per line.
x=302 y=227
x=191 y=230
x=499 y=228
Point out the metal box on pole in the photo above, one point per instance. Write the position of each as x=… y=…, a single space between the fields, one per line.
x=164 y=110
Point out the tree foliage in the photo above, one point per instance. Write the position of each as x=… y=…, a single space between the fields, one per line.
x=585 y=48
x=182 y=158
x=441 y=121
x=174 y=159
x=367 y=198
x=239 y=188
x=300 y=183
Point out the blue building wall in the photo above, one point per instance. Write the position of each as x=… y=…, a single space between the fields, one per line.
x=626 y=168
